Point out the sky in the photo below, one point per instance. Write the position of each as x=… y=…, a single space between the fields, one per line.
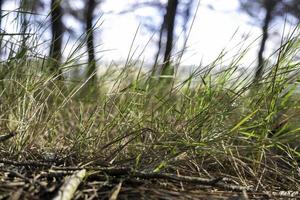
x=213 y=30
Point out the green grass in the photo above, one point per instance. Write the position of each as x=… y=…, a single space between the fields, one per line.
x=214 y=122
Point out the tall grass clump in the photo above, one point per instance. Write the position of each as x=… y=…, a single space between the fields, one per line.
x=214 y=122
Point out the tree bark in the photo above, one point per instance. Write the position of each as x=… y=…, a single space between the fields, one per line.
x=269 y=8
x=169 y=25
x=90 y=40
x=57 y=35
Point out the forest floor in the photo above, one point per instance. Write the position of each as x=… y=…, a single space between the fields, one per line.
x=60 y=178
x=34 y=180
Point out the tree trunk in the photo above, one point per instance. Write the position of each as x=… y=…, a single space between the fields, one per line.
x=1 y=1
x=24 y=26
x=57 y=35
x=170 y=25
x=1 y=36
x=90 y=40
x=269 y=7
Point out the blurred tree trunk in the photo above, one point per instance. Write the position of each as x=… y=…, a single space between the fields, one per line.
x=166 y=33
x=25 y=6
x=89 y=29
x=57 y=35
x=1 y=2
x=1 y=37
x=269 y=6
x=169 y=26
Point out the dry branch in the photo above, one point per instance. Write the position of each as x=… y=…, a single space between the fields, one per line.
x=67 y=190
x=212 y=182
x=29 y=163
x=167 y=176
x=115 y=192
x=129 y=172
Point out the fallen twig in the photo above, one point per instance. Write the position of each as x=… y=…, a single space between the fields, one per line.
x=167 y=176
x=21 y=176
x=284 y=194
x=7 y=136
x=115 y=192
x=29 y=163
x=68 y=189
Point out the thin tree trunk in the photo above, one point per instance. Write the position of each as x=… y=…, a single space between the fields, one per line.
x=1 y=37
x=170 y=24
x=269 y=6
x=57 y=34
x=24 y=27
x=1 y=2
x=90 y=40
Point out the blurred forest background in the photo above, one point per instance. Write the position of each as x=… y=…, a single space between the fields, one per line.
x=160 y=31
